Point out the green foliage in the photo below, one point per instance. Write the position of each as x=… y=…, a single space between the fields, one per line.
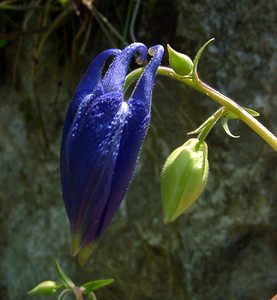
x=228 y=115
x=231 y=115
x=68 y=287
x=92 y=286
x=65 y=280
x=197 y=57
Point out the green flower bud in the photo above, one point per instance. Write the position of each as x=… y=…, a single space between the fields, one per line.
x=45 y=288
x=179 y=62
x=183 y=178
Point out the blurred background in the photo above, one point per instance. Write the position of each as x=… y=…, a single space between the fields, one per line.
x=225 y=246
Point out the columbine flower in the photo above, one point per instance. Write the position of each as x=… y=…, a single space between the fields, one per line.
x=102 y=138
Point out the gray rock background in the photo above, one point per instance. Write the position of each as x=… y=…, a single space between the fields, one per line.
x=225 y=246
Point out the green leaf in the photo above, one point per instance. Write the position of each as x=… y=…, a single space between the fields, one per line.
x=63 y=294
x=63 y=277
x=226 y=128
x=252 y=112
x=197 y=57
x=91 y=296
x=231 y=115
x=96 y=284
x=200 y=128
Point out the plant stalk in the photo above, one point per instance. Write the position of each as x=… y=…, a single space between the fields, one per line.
x=78 y=293
x=226 y=102
x=232 y=106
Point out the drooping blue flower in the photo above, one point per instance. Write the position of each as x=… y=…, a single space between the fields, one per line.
x=102 y=138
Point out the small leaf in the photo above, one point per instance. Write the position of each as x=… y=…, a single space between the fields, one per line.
x=200 y=128
x=252 y=112
x=226 y=128
x=231 y=115
x=63 y=277
x=197 y=57
x=96 y=284
x=63 y=294
x=91 y=296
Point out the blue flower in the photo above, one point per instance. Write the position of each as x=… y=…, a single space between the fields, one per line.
x=102 y=138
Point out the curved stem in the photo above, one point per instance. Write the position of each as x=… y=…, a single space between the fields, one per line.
x=232 y=106
x=164 y=71
x=78 y=293
x=202 y=87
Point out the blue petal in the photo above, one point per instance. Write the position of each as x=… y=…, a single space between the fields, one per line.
x=88 y=83
x=134 y=131
x=89 y=155
x=144 y=87
x=93 y=74
x=115 y=76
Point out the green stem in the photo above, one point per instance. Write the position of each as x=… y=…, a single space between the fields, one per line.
x=164 y=71
x=232 y=106
x=228 y=103
x=78 y=293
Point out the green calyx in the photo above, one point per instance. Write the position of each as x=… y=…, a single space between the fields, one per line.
x=179 y=62
x=184 y=177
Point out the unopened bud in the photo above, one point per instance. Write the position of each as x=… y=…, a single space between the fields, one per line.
x=179 y=62
x=44 y=288
x=183 y=178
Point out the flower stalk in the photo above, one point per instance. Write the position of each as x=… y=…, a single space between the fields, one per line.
x=215 y=95
x=78 y=293
x=232 y=106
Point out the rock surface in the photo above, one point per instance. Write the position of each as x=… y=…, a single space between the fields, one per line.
x=225 y=246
